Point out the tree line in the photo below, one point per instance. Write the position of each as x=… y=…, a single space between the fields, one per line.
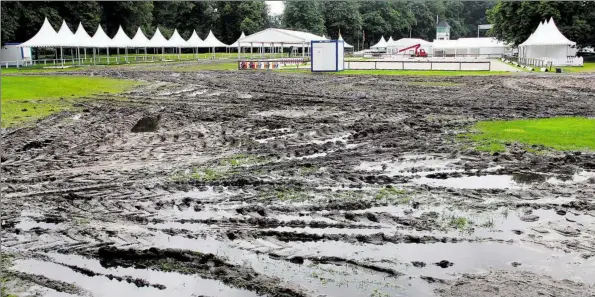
x=361 y=23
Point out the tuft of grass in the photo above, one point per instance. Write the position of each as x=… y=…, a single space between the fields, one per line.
x=242 y=160
x=27 y=98
x=389 y=192
x=458 y=222
x=488 y=224
x=290 y=194
x=203 y=175
x=561 y=133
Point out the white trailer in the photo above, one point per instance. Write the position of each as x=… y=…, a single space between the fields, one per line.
x=327 y=55
x=11 y=55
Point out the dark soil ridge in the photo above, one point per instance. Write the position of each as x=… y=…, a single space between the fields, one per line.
x=206 y=265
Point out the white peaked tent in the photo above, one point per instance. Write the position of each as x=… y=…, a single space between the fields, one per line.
x=65 y=38
x=345 y=44
x=212 y=42
x=158 y=41
x=121 y=40
x=140 y=41
x=45 y=37
x=235 y=44
x=548 y=43
x=101 y=40
x=176 y=41
x=381 y=44
x=194 y=41
x=83 y=40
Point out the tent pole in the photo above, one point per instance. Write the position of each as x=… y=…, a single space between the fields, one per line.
x=145 y=54
x=162 y=53
x=126 y=50
x=107 y=48
x=78 y=51
x=62 y=57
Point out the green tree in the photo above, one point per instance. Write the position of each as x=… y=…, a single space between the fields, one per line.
x=128 y=14
x=344 y=17
x=515 y=21
x=11 y=12
x=304 y=16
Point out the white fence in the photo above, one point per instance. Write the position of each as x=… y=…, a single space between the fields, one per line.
x=569 y=61
x=419 y=65
x=545 y=62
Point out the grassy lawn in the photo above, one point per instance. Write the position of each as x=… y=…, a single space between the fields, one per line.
x=26 y=98
x=587 y=67
x=562 y=133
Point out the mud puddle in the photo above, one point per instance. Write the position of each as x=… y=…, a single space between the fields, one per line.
x=514 y=181
x=93 y=278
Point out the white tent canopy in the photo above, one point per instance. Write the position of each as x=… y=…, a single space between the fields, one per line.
x=381 y=43
x=212 y=41
x=177 y=41
x=121 y=39
x=194 y=40
x=547 y=43
x=345 y=44
x=277 y=36
x=139 y=39
x=548 y=34
x=83 y=39
x=158 y=40
x=45 y=37
x=235 y=44
x=65 y=37
x=100 y=39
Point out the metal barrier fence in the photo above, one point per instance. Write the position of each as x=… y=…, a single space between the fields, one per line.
x=419 y=65
x=122 y=59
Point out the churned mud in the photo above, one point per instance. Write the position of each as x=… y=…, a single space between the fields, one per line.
x=271 y=184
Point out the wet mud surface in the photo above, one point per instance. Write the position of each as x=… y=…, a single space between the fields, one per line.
x=268 y=184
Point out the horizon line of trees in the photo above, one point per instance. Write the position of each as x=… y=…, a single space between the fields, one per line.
x=361 y=23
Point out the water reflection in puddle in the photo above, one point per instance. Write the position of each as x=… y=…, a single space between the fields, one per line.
x=175 y=284
x=514 y=181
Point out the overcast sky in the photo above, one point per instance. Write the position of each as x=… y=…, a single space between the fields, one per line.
x=276 y=7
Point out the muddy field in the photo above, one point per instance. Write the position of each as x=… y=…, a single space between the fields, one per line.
x=266 y=184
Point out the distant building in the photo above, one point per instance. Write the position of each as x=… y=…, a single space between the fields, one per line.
x=442 y=31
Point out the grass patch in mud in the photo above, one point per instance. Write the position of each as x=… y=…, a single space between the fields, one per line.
x=562 y=133
x=27 y=98
x=203 y=175
x=242 y=160
x=393 y=195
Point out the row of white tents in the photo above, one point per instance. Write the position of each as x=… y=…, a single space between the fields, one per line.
x=273 y=38
x=484 y=46
x=546 y=45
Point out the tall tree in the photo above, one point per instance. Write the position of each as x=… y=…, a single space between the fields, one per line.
x=235 y=17
x=344 y=17
x=86 y=12
x=11 y=12
x=304 y=16
x=128 y=14
x=515 y=21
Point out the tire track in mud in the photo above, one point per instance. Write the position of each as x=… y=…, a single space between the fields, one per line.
x=285 y=185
